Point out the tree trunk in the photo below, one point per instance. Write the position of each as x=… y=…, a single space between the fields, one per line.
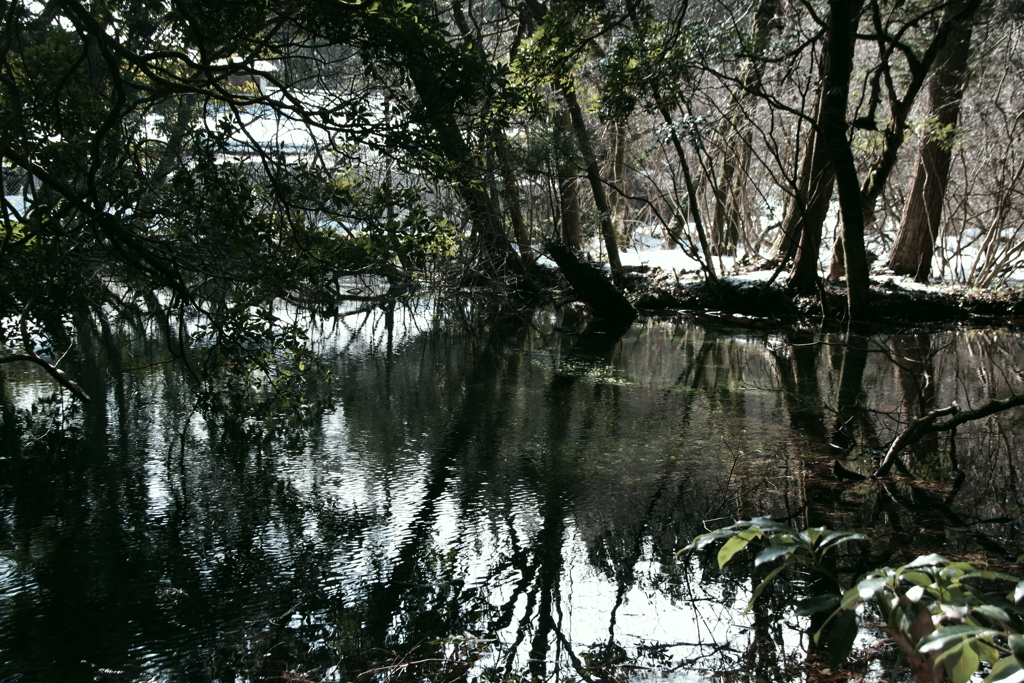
x=839 y=47
x=488 y=230
x=802 y=226
x=810 y=219
x=509 y=186
x=955 y=19
x=568 y=184
x=590 y=285
x=596 y=182
x=788 y=241
x=800 y=236
x=919 y=228
x=618 y=179
x=510 y=195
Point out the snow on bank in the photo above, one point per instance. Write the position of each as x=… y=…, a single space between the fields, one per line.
x=676 y=262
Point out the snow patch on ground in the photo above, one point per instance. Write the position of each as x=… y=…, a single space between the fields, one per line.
x=677 y=262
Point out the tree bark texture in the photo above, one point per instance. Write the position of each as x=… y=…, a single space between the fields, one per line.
x=568 y=184
x=919 y=228
x=620 y=206
x=802 y=225
x=839 y=47
x=596 y=182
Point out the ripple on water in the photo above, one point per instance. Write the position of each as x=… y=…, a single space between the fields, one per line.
x=13 y=582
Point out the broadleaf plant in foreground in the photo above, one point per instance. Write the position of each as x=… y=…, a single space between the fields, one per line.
x=933 y=608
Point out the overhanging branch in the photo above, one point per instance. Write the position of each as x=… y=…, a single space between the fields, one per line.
x=52 y=370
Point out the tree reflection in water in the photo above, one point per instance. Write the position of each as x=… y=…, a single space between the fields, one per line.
x=496 y=493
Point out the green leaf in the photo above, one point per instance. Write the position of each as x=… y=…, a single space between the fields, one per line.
x=932 y=560
x=704 y=540
x=1017 y=647
x=838 y=538
x=987 y=651
x=1018 y=592
x=731 y=547
x=773 y=552
x=945 y=638
x=841 y=637
x=962 y=661
x=841 y=535
x=817 y=603
x=768 y=524
x=1006 y=670
x=885 y=605
x=918 y=578
x=813 y=534
x=993 y=613
x=851 y=598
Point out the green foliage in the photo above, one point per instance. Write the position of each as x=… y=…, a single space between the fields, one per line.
x=933 y=608
x=151 y=194
x=947 y=136
x=775 y=541
x=652 y=58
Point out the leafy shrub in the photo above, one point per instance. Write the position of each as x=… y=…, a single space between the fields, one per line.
x=934 y=609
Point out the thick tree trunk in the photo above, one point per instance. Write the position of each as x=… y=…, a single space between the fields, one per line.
x=808 y=208
x=919 y=228
x=788 y=241
x=488 y=231
x=809 y=217
x=955 y=20
x=596 y=183
x=800 y=236
x=839 y=47
x=590 y=285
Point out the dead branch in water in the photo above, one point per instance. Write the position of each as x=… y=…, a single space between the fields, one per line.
x=928 y=424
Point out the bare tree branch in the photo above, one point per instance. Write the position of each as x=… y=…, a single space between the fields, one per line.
x=928 y=424
x=52 y=370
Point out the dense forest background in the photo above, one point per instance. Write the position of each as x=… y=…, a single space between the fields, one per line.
x=196 y=161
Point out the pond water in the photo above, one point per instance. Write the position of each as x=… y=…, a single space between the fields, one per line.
x=503 y=494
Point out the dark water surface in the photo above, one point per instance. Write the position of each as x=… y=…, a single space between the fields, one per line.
x=510 y=491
